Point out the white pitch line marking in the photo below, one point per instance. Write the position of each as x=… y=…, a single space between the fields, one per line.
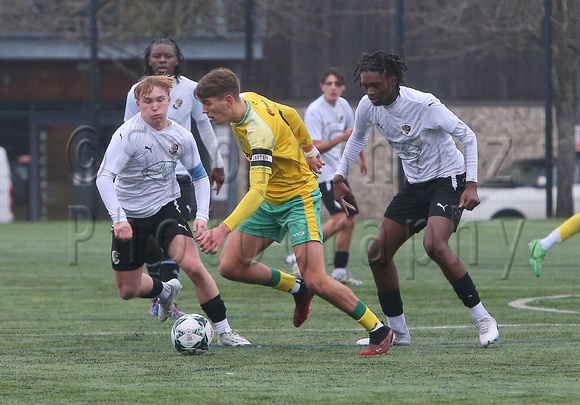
x=523 y=304
x=290 y=330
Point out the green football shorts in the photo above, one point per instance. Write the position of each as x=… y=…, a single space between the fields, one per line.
x=299 y=217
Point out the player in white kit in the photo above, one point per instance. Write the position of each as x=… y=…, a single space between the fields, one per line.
x=440 y=182
x=163 y=56
x=138 y=185
x=330 y=120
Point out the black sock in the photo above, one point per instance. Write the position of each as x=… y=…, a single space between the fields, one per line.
x=215 y=309
x=391 y=302
x=340 y=260
x=379 y=335
x=465 y=290
x=156 y=290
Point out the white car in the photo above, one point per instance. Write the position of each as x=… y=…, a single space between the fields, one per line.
x=6 y=214
x=518 y=191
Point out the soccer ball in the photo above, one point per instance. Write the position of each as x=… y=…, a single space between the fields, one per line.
x=192 y=334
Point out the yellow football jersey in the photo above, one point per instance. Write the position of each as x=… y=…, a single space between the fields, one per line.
x=272 y=136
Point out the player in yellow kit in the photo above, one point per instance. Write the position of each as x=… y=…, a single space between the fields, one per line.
x=540 y=247
x=283 y=197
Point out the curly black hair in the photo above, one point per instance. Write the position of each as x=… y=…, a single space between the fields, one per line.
x=382 y=62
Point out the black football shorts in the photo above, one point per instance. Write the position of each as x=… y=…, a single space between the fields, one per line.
x=415 y=203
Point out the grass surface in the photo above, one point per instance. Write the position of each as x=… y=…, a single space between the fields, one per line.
x=66 y=336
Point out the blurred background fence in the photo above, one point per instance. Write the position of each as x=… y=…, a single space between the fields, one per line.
x=66 y=67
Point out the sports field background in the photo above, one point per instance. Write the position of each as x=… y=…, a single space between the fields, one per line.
x=66 y=336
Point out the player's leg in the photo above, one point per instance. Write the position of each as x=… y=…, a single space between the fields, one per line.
x=443 y=220
x=390 y=238
x=343 y=226
x=178 y=242
x=185 y=253
x=237 y=264
x=540 y=247
x=342 y=252
x=311 y=262
x=133 y=283
x=161 y=267
x=128 y=258
x=337 y=215
x=302 y=220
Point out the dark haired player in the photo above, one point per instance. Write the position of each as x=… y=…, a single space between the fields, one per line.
x=440 y=182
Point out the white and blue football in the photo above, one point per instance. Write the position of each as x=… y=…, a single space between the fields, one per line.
x=192 y=334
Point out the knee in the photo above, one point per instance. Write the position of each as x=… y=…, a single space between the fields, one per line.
x=228 y=269
x=376 y=254
x=349 y=223
x=435 y=250
x=193 y=269
x=127 y=293
x=315 y=284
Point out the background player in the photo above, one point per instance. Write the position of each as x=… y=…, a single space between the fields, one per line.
x=329 y=120
x=540 y=247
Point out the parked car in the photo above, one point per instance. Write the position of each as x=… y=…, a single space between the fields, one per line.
x=6 y=208
x=519 y=191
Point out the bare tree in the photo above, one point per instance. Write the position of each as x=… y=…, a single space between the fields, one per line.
x=565 y=74
x=477 y=29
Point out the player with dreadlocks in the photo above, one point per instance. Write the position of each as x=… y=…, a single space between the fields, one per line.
x=440 y=183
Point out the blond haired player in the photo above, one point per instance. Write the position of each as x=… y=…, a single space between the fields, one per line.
x=138 y=186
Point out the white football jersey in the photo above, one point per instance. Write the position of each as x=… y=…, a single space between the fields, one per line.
x=325 y=122
x=184 y=106
x=144 y=160
x=420 y=129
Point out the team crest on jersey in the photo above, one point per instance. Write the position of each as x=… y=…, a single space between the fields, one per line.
x=406 y=130
x=174 y=148
x=115 y=257
x=177 y=103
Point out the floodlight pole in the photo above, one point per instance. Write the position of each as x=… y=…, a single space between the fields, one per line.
x=249 y=44
x=400 y=32
x=94 y=44
x=547 y=34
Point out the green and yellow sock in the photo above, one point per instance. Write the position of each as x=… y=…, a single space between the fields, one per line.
x=363 y=315
x=282 y=281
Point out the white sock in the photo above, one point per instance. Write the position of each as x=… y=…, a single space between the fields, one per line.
x=165 y=292
x=379 y=326
x=296 y=287
x=338 y=272
x=549 y=241
x=478 y=312
x=223 y=326
x=398 y=323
